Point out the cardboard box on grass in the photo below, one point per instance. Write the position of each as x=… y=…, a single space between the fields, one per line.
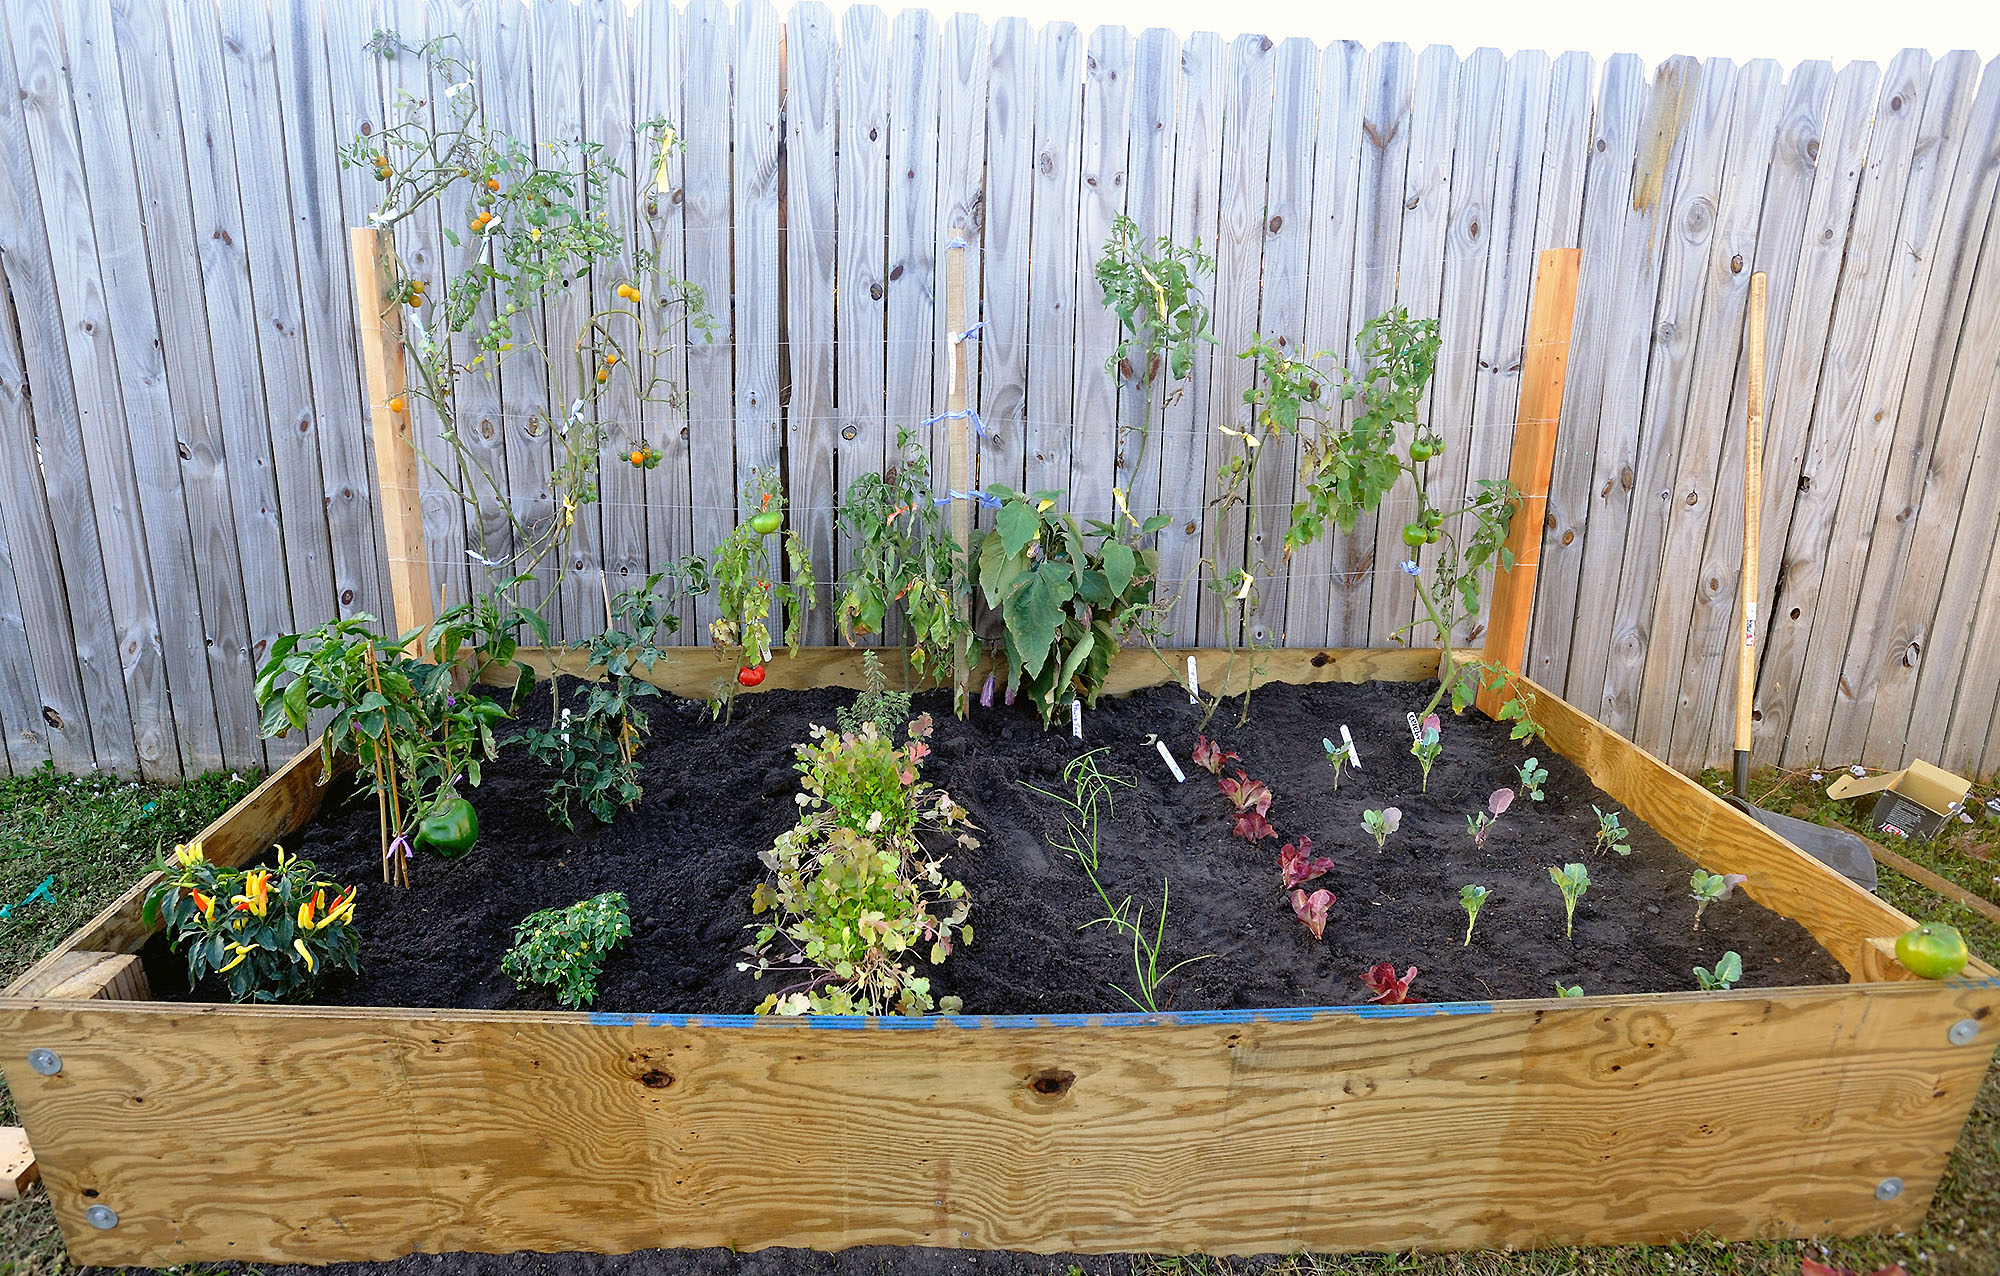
x=1914 y=802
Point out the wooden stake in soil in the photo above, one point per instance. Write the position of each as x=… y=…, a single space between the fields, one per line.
x=396 y=469
x=960 y=465
x=1547 y=358
x=1753 y=501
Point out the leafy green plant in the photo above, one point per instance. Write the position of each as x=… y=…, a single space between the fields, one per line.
x=1067 y=596
x=564 y=949
x=1390 y=989
x=1427 y=745
x=888 y=710
x=1728 y=970
x=1471 y=898
x=1533 y=775
x=1568 y=990
x=1163 y=318
x=1572 y=880
x=854 y=894
x=904 y=560
x=273 y=934
x=1710 y=888
x=1380 y=824
x=1611 y=835
x=1338 y=755
x=1252 y=802
x=1481 y=823
x=1092 y=799
x=1312 y=910
x=750 y=590
x=480 y=636
x=1297 y=864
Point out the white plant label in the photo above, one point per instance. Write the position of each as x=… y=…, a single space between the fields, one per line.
x=1194 y=683
x=1353 y=754
x=1076 y=718
x=1167 y=756
x=1416 y=730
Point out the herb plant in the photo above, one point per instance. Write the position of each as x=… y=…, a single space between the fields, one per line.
x=1611 y=835
x=750 y=590
x=1427 y=746
x=1090 y=800
x=564 y=949
x=904 y=560
x=1572 y=880
x=1067 y=596
x=1482 y=823
x=1312 y=909
x=1709 y=888
x=1533 y=775
x=888 y=710
x=1390 y=989
x=1728 y=969
x=273 y=934
x=1297 y=864
x=855 y=896
x=1471 y=898
x=1380 y=824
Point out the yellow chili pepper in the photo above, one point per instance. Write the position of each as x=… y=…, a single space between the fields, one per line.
x=241 y=952
x=311 y=965
x=206 y=903
x=189 y=855
x=306 y=915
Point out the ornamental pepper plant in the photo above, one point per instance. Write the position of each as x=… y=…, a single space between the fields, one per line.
x=564 y=949
x=271 y=932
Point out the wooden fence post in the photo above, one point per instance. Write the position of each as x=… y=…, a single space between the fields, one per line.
x=1544 y=363
x=959 y=467
x=396 y=465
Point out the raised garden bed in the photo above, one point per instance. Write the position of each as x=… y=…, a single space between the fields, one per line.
x=1234 y=1123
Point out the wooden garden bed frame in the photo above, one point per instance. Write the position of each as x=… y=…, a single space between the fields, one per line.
x=304 y=1134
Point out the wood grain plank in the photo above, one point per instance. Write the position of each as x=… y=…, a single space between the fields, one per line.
x=1103 y=165
x=753 y=216
x=964 y=65
x=1052 y=297
x=24 y=743
x=812 y=245
x=1006 y=244
x=911 y=391
x=1149 y=202
x=711 y=375
x=862 y=294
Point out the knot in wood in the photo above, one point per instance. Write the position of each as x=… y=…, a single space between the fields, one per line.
x=1052 y=1083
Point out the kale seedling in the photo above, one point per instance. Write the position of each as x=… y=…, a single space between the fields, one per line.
x=1611 y=834
x=1568 y=990
x=1426 y=747
x=1533 y=775
x=1312 y=909
x=1728 y=969
x=1209 y=756
x=1338 y=755
x=1389 y=988
x=1297 y=864
x=1572 y=880
x=1252 y=800
x=1710 y=887
x=1381 y=823
x=1481 y=824
x=1471 y=899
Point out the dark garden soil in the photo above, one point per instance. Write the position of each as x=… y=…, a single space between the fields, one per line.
x=686 y=860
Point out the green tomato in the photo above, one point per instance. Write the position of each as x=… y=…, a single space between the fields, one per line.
x=1414 y=534
x=1933 y=951
x=767 y=522
x=1421 y=450
x=450 y=829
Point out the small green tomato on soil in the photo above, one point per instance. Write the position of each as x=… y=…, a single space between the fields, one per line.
x=1932 y=950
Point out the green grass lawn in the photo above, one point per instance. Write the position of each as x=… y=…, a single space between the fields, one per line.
x=96 y=835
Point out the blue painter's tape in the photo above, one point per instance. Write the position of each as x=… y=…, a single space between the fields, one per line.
x=1121 y=1019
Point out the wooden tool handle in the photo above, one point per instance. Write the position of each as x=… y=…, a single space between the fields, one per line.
x=1753 y=499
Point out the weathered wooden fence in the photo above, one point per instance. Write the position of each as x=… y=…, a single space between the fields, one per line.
x=184 y=465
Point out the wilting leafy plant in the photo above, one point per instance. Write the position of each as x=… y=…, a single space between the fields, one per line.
x=1611 y=835
x=1427 y=746
x=1710 y=888
x=273 y=934
x=564 y=949
x=1533 y=775
x=1572 y=880
x=1568 y=990
x=904 y=559
x=1481 y=824
x=1471 y=898
x=1390 y=989
x=1380 y=824
x=1091 y=799
x=1728 y=969
x=1312 y=909
x=1252 y=800
x=1298 y=865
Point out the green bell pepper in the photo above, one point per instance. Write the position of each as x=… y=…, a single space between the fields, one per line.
x=450 y=829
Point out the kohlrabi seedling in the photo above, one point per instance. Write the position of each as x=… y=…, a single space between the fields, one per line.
x=1297 y=864
x=1611 y=834
x=1533 y=775
x=1311 y=909
x=1390 y=989
x=1426 y=747
x=1572 y=880
x=1381 y=823
x=1481 y=824
x=1471 y=899
x=1568 y=990
x=1728 y=969
x=1338 y=755
x=1710 y=887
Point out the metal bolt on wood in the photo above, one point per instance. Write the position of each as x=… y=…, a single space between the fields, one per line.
x=1889 y=1189
x=1963 y=1032
x=101 y=1217
x=48 y=1062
